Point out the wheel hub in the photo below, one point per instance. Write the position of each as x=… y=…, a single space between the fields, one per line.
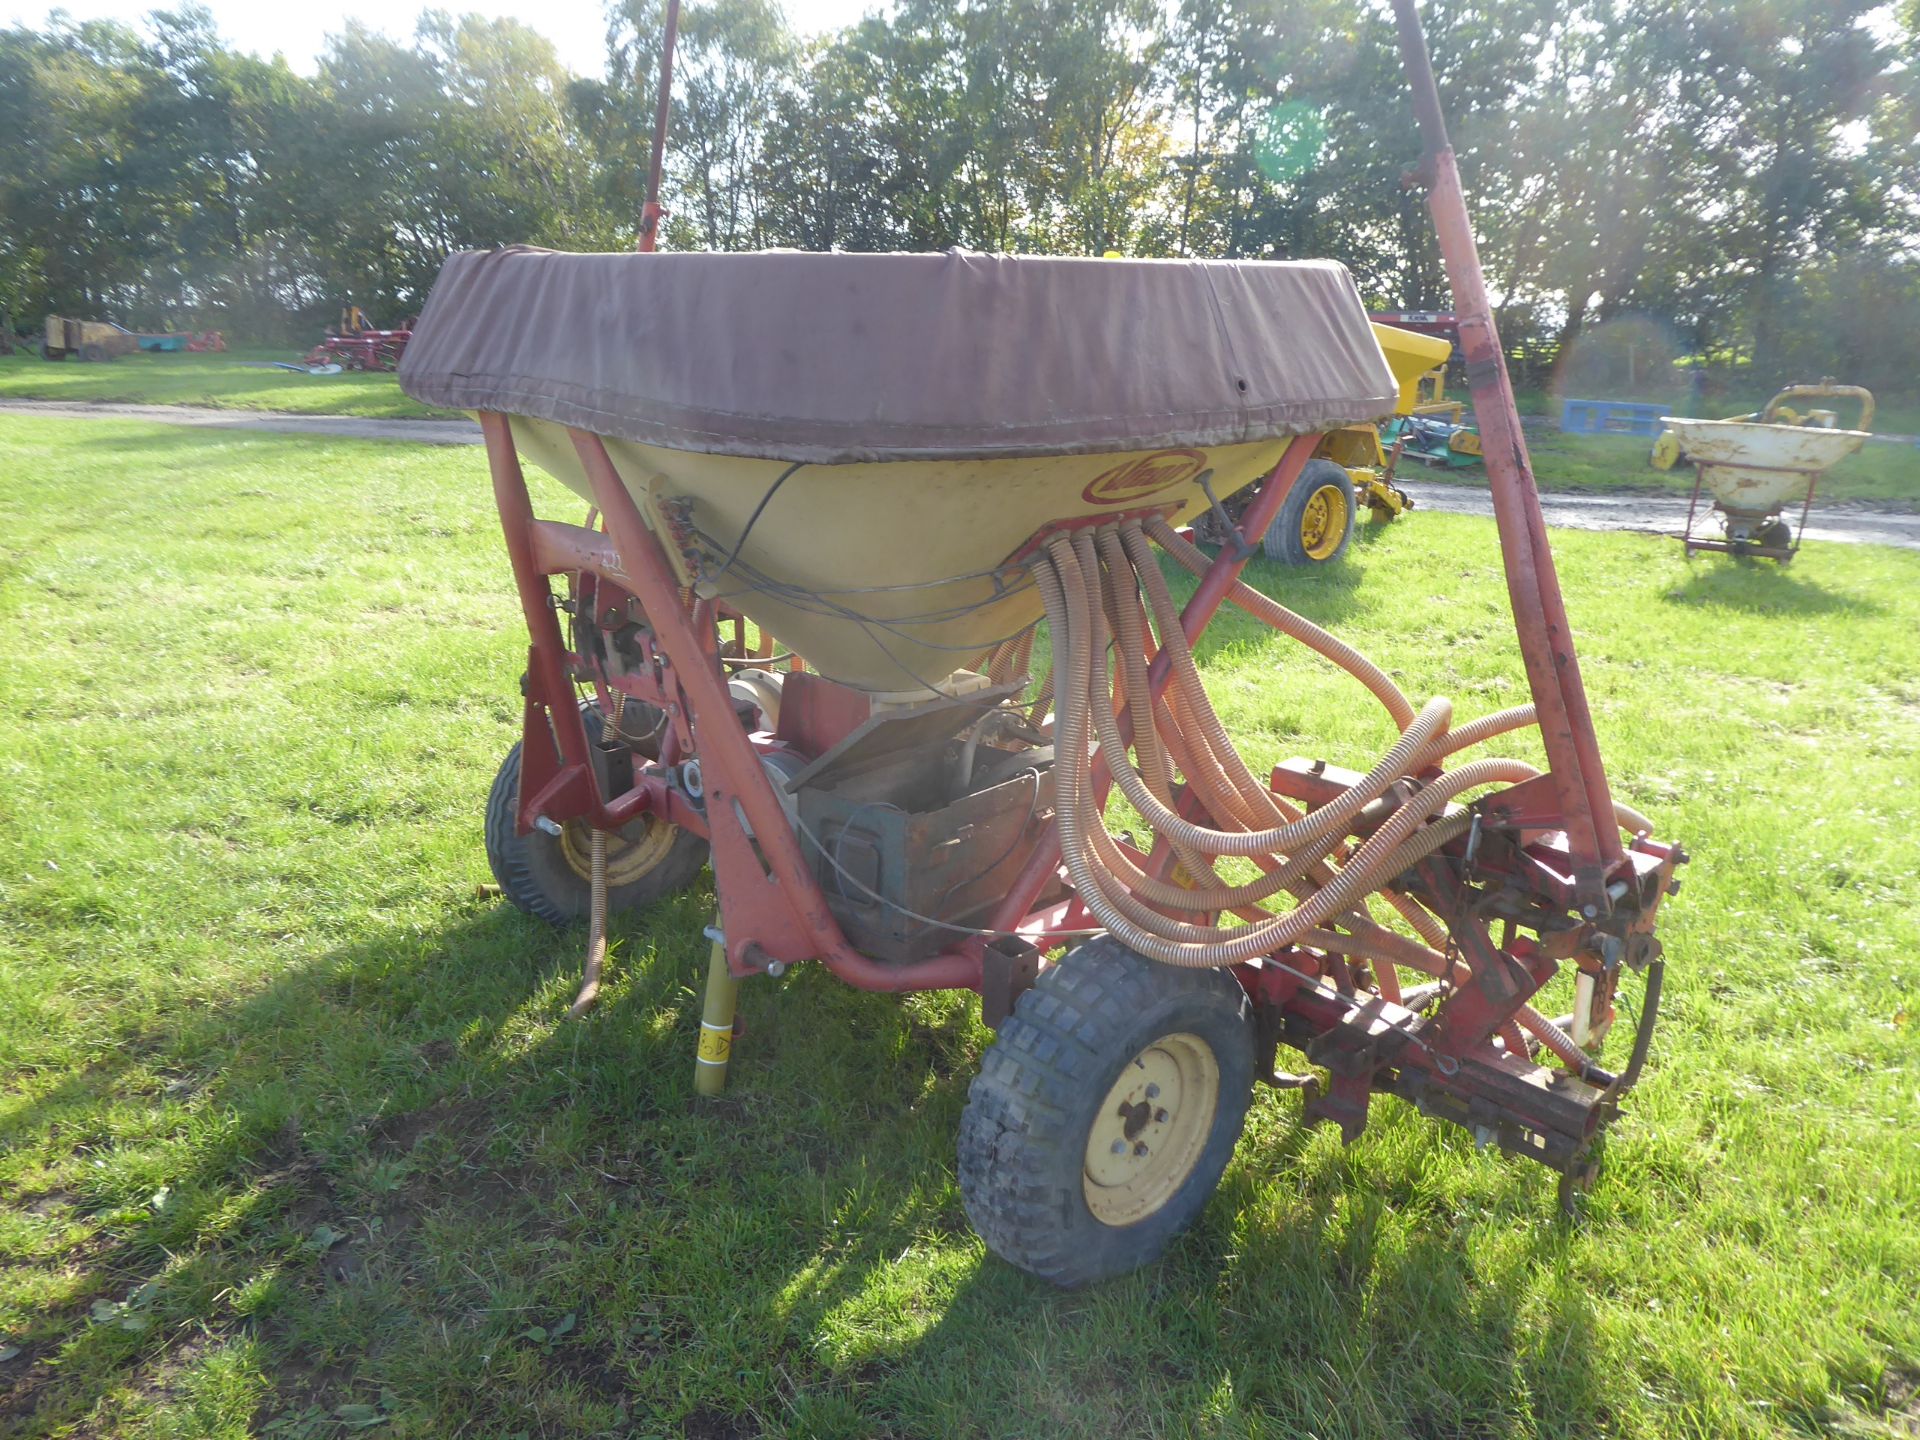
x=631 y=852
x=1151 y=1128
x=1323 y=521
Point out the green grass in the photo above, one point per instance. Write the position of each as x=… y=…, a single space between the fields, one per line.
x=231 y=381
x=291 y=1122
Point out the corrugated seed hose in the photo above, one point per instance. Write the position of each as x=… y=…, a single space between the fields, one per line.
x=597 y=896
x=1100 y=587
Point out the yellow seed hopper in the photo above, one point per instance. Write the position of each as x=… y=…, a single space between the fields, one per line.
x=823 y=435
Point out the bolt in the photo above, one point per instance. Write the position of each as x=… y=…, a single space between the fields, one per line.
x=754 y=958
x=1589 y=911
x=1140 y=1147
x=546 y=826
x=1160 y=1117
x=1119 y=1147
x=1153 y=1092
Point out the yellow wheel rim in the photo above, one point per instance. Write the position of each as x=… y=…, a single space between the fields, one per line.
x=1150 y=1130
x=1324 y=521
x=631 y=852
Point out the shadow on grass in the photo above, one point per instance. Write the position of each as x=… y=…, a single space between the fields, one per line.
x=288 y=1137
x=1339 y=1322
x=1761 y=586
x=417 y=1177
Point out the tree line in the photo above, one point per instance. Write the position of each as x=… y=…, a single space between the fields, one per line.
x=1735 y=181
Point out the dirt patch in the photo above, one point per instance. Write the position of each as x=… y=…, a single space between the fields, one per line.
x=723 y=1109
x=458 y=1135
x=302 y=1389
x=457 y=1120
x=21 y=1380
x=594 y=1368
x=656 y=1336
x=438 y=1052
x=1903 y=1401
x=709 y=1424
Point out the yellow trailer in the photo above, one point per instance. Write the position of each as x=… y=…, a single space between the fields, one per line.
x=88 y=339
x=1350 y=468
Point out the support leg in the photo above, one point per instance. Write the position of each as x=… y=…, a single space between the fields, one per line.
x=716 y=1025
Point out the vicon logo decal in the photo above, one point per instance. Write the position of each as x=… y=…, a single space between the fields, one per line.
x=1134 y=480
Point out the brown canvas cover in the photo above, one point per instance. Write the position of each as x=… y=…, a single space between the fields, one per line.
x=844 y=358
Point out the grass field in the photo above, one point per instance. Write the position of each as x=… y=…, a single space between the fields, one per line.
x=296 y=1141
x=240 y=379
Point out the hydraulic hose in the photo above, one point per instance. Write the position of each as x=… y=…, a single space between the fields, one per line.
x=1103 y=590
x=1300 y=628
x=1387 y=853
x=1330 y=820
x=1475 y=732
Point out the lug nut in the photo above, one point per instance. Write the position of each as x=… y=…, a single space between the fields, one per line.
x=1153 y=1092
x=1119 y=1147
x=1140 y=1147
x=1160 y=1117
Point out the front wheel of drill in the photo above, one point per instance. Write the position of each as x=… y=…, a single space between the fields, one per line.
x=1105 y=1112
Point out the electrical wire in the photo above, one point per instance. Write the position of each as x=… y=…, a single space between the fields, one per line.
x=754 y=519
x=894 y=905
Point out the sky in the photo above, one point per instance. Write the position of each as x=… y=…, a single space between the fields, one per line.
x=576 y=27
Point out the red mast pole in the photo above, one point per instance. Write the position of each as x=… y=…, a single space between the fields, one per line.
x=651 y=212
x=1539 y=612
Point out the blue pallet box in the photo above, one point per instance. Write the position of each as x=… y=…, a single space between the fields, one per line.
x=1611 y=417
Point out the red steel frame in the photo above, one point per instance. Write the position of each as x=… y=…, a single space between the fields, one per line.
x=772 y=909
x=1578 y=782
x=1553 y=842
x=650 y=212
x=773 y=912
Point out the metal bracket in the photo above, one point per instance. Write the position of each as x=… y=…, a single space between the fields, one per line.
x=1008 y=967
x=1242 y=548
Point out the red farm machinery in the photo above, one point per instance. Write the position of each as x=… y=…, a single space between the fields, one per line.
x=869 y=612
x=356 y=345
